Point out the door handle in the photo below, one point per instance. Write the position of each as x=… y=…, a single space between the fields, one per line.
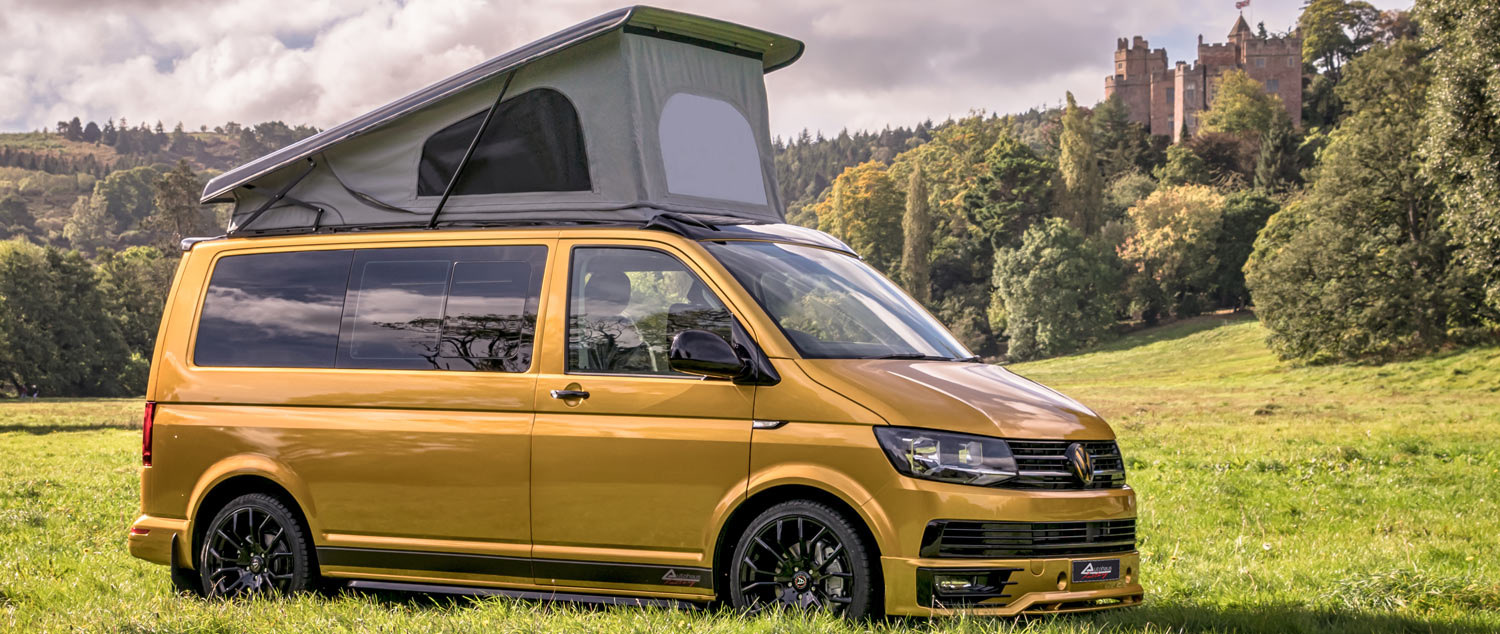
x=569 y=394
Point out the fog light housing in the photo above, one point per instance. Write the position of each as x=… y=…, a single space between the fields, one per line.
x=940 y=587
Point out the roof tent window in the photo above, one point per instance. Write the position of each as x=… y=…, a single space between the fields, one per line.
x=534 y=144
x=709 y=151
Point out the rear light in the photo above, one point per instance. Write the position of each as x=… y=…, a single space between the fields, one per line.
x=146 y=433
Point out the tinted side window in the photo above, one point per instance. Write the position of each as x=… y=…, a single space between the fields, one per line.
x=534 y=144
x=273 y=310
x=626 y=305
x=443 y=308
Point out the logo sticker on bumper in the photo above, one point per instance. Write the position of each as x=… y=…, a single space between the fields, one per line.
x=1096 y=570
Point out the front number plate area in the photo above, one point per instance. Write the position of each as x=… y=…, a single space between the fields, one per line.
x=1091 y=570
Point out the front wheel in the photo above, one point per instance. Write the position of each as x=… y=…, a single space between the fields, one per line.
x=803 y=555
x=254 y=545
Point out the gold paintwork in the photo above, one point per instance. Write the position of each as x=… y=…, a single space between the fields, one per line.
x=647 y=470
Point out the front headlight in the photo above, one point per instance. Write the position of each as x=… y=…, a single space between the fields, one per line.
x=947 y=457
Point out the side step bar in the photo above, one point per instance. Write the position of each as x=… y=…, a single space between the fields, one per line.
x=528 y=595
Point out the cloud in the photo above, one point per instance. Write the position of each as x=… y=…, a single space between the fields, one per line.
x=869 y=63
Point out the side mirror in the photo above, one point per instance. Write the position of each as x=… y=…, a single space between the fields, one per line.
x=705 y=354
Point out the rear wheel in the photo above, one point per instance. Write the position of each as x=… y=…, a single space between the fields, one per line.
x=255 y=545
x=803 y=555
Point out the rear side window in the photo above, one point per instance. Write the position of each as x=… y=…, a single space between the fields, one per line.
x=534 y=144
x=273 y=310
x=445 y=308
x=439 y=308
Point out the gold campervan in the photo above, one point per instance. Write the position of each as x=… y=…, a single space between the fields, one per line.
x=540 y=330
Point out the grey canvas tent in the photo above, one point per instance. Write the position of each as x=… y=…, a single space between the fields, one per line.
x=633 y=113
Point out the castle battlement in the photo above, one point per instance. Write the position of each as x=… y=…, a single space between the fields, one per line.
x=1167 y=98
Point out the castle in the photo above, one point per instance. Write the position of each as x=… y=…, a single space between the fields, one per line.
x=1167 y=100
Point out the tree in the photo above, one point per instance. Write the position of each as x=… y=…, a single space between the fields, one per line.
x=54 y=326
x=1241 y=106
x=1229 y=159
x=1125 y=192
x=1277 y=168
x=15 y=218
x=74 y=130
x=1462 y=151
x=1054 y=289
x=135 y=284
x=1334 y=31
x=1123 y=145
x=1361 y=267
x=916 y=228
x=1183 y=167
x=91 y=133
x=176 y=214
x=1244 y=214
x=89 y=225
x=1173 y=248
x=865 y=212
x=1082 y=197
x=1011 y=194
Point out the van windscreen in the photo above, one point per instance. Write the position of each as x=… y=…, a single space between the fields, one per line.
x=833 y=305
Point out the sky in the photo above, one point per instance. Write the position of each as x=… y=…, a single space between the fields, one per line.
x=868 y=64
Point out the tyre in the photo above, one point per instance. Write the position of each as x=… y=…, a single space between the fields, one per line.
x=803 y=555
x=255 y=545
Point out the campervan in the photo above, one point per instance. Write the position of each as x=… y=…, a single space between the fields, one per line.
x=540 y=329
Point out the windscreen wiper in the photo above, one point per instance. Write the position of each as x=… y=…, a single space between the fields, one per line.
x=915 y=356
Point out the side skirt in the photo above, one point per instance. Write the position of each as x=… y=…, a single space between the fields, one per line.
x=529 y=595
x=555 y=570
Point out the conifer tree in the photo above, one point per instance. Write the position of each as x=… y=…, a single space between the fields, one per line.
x=916 y=228
x=1082 y=199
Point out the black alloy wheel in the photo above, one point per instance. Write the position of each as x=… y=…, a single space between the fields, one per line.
x=802 y=555
x=254 y=545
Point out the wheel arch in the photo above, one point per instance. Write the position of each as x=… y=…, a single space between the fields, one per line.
x=240 y=477
x=740 y=517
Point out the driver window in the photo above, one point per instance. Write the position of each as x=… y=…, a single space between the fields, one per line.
x=625 y=305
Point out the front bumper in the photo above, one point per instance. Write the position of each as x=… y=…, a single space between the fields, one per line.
x=1036 y=586
x=900 y=515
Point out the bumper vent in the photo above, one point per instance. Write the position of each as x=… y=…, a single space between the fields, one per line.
x=1044 y=465
x=1000 y=540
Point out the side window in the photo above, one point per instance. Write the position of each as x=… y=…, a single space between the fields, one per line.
x=625 y=306
x=442 y=308
x=534 y=144
x=708 y=150
x=273 y=310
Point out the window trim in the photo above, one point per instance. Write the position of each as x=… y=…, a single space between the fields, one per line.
x=547 y=244
x=588 y=154
x=568 y=309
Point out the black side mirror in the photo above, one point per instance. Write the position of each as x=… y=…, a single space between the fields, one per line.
x=704 y=353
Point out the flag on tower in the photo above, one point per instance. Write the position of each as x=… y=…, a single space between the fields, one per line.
x=1241 y=4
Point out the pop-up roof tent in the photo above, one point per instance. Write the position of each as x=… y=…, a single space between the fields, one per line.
x=631 y=114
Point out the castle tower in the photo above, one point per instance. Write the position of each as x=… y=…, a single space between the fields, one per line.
x=1165 y=99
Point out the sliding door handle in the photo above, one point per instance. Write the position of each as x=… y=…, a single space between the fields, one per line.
x=568 y=395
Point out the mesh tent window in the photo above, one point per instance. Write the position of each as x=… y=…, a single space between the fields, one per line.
x=534 y=144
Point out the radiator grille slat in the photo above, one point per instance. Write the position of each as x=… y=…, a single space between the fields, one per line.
x=995 y=540
x=1044 y=465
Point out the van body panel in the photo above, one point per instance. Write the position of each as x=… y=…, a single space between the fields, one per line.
x=973 y=398
x=485 y=479
x=630 y=474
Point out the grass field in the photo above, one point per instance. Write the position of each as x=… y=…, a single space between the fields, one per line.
x=1274 y=499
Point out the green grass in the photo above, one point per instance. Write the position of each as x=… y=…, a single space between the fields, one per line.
x=1274 y=498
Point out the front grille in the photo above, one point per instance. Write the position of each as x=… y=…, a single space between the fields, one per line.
x=997 y=540
x=1044 y=465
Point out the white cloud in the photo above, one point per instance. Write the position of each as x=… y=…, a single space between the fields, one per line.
x=869 y=63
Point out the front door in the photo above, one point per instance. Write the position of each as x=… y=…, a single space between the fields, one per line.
x=630 y=461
